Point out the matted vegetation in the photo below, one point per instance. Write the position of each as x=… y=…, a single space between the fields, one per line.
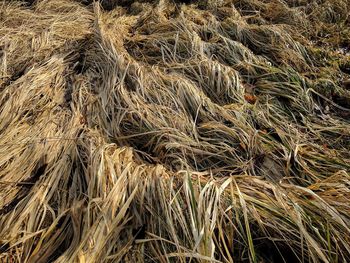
x=175 y=131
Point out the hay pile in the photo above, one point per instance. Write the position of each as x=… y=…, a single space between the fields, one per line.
x=175 y=131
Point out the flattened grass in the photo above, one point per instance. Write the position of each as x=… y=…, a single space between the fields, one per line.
x=163 y=131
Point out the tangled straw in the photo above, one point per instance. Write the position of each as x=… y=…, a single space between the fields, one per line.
x=165 y=131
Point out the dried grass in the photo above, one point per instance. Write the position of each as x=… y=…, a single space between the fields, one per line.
x=161 y=131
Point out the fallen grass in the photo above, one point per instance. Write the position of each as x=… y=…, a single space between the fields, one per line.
x=161 y=131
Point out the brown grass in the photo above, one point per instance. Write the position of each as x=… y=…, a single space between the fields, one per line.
x=173 y=131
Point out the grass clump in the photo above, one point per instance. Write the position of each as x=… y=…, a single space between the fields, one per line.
x=174 y=131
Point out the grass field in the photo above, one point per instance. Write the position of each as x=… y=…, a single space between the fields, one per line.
x=175 y=131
